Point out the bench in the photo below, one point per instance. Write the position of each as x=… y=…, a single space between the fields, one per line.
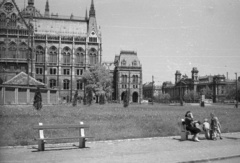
x=42 y=140
x=184 y=132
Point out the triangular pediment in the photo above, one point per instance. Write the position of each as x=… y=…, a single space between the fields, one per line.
x=11 y=16
x=22 y=79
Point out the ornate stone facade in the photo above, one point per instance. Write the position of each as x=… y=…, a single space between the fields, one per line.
x=215 y=84
x=127 y=76
x=53 y=49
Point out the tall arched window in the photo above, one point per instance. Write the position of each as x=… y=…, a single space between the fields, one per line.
x=52 y=83
x=12 y=50
x=53 y=55
x=79 y=85
x=39 y=54
x=93 y=56
x=13 y=20
x=124 y=79
x=79 y=56
x=136 y=79
x=66 y=55
x=66 y=84
x=2 y=50
x=23 y=51
x=3 y=19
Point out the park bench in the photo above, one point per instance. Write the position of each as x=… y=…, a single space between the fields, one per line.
x=184 y=132
x=42 y=140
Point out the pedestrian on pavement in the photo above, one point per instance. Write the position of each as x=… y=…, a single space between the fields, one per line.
x=190 y=126
x=206 y=128
x=215 y=127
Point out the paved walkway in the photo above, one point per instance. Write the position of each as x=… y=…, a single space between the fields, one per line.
x=152 y=150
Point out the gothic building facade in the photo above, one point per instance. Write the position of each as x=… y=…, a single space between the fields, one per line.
x=127 y=76
x=53 y=49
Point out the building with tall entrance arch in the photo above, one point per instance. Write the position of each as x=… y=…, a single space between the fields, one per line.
x=127 y=75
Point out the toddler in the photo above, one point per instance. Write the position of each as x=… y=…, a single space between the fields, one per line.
x=206 y=128
x=215 y=127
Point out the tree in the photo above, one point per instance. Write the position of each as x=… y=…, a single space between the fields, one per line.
x=194 y=96
x=231 y=91
x=98 y=81
x=167 y=97
x=207 y=92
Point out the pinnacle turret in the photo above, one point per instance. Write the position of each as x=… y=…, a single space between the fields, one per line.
x=92 y=10
x=46 y=14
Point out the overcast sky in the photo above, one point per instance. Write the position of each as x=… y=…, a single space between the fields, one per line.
x=168 y=35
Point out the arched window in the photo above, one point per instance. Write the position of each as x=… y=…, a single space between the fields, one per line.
x=93 y=56
x=66 y=55
x=3 y=19
x=134 y=63
x=23 y=51
x=52 y=83
x=39 y=54
x=79 y=56
x=124 y=62
x=2 y=50
x=136 y=79
x=79 y=85
x=53 y=55
x=12 y=50
x=13 y=20
x=66 y=83
x=124 y=79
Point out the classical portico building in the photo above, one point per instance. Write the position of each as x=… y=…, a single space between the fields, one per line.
x=216 y=84
x=51 y=48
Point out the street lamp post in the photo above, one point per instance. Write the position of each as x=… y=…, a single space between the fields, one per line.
x=236 y=91
x=152 y=88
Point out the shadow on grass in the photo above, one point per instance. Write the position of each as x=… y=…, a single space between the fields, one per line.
x=232 y=138
x=60 y=148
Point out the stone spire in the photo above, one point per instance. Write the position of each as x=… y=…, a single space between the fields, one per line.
x=86 y=15
x=46 y=14
x=92 y=10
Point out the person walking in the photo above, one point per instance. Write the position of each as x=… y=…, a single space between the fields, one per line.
x=37 y=99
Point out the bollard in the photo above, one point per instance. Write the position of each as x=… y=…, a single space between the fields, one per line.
x=82 y=140
x=41 y=141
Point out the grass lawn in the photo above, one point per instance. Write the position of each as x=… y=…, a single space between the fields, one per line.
x=110 y=121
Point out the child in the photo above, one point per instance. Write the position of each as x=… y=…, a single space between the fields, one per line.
x=206 y=128
x=215 y=127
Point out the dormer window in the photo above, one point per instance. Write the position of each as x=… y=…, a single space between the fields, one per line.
x=134 y=63
x=124 y=62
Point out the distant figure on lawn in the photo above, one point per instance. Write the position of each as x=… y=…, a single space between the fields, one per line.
x=37 y=99
x=215 y=127
x=75 y=98
x=191 y=126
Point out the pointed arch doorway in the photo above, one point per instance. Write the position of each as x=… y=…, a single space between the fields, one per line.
x=135 y=97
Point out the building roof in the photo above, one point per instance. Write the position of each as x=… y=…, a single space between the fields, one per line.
x=127 y=58
x=61 y=27
x=21 y=79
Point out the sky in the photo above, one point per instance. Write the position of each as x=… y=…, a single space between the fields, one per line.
x=168 y=35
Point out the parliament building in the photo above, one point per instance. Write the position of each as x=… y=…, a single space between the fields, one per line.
x=53 y=49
